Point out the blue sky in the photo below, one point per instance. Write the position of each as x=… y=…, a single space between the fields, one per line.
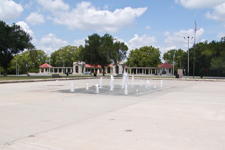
x=160 y=23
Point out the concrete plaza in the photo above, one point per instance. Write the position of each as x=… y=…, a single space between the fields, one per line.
x=37 y=116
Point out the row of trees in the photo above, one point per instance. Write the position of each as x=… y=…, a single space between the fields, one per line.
x=209 y=57
x=205 y=58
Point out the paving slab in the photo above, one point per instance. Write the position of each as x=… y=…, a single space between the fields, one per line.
x=39 y=116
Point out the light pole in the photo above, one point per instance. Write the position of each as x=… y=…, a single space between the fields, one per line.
x=173 y=61
x=188 y=52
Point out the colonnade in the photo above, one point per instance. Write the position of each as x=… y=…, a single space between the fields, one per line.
x=56 y=70
x=147 y=70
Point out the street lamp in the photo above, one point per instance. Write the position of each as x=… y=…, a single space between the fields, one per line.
x=173 y=61
x=188 y=52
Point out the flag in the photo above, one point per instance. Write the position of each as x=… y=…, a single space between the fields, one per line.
x=195 y=27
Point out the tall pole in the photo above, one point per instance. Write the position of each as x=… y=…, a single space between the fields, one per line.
x=194 y=51
x=188 y=56
x=173 y=61
x=188 y=52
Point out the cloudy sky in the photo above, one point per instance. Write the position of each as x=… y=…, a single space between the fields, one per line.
x=160 y=23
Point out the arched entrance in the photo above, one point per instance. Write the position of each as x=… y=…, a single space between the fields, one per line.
x=117 y=69
x=76 y=68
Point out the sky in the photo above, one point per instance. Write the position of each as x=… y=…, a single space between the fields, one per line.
x=159 y=23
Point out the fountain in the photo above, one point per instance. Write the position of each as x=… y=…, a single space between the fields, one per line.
x=87 y=86
x=112 y=83
x=126 y=90
x=147 y=85
x=125 y=79
x=141 y=82
x=96 y=88
x=161 y=83
x=100 y=82
x=132 y=81
x=71 y=88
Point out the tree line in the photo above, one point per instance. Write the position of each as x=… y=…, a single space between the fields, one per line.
x=16 y=49
x=205 y=58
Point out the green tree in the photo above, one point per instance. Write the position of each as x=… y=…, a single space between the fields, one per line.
x=146 y=56
x=28 y=61
x=13 y=40
x=103 y=50
x=179 y=59
x=217 y=64
x=66 y=55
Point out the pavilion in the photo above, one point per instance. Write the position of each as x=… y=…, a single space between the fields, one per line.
x=165 y=67
x=44 y=68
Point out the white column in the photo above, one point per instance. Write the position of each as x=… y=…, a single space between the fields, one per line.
x=114 y=69
x=39 y=70
x=120 y=69
x=79 y=69
x=73 y=69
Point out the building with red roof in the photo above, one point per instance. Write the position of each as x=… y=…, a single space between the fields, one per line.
x=81 y=67
x=44 y=68
x=165 y=65
x=45 y=65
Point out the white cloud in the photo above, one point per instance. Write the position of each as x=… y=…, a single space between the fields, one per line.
x=220 y=35
x=196 y=4
x=54 y=5
x=35 y=18
x=218 y=7
x=177 y=38
x=27 y=29
x=87 y=17
x=218 y=13
x=144 y=40
x=79 y=42
x=167 y=33
x=9 y=10
x=106 y=7
x=148 y=27
x=203 y=40
x=49 y=43
x=165 y=49
x=27 y=6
